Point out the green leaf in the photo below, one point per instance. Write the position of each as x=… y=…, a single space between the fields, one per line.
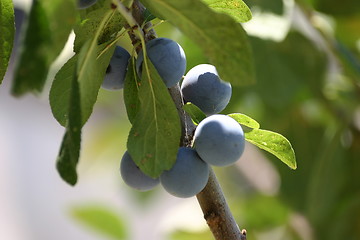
x=274 y=143
x=91 y=73
x=221 y=38
x=91 y=20
x=235 y=8
x=70 y=146
x=61 y=89
x=50 y=23
x=195 y=113
x=102 y=220
x=7 y=29
x=91 y=69
x=154 y=138
x=131 y=98
x=245 y=120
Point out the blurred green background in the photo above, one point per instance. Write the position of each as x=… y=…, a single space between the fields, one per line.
x=308 y=89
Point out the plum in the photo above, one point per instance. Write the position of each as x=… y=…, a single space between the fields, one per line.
x=116 y=71
x=168 y=58
x=134 y=177
x=203 y=87
x=219 y=140
x=188 y=176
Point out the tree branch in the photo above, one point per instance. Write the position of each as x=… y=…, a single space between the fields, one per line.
x=211 y=199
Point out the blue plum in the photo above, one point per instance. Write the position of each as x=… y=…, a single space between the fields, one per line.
x=219 y=140
x=168 y=58
x=203 y=87
x=116 y=71
x=134 y=177
x=188 y=176
x=82 y=4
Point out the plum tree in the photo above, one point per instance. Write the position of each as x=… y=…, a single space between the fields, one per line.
x=116 y=71
x=134 y=177
x=85 y=3
x=168 y=58
x=219 y=140
x=188 y=176
x=203 y=87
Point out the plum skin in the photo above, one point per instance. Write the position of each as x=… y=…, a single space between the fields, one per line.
x=116 y=71
x=219 y=140
x=82 y=4
x=188 y=176
x=203 y=87
x=168 y=58
x=134 y=177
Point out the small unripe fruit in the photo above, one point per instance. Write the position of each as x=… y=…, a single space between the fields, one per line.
x=203 y=87
x=134 y=177
x=116 y=71
x=188 y=176
x=219 y=140
x=168 y=58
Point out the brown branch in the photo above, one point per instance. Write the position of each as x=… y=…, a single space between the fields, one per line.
x=217 y=213
x=211 y=199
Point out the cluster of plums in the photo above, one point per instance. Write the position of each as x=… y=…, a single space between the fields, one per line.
x=218 y=139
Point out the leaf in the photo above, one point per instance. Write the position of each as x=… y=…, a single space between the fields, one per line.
x=245 y=120
x=235 y=8
x=50 y=23
x=222 y=39
x=90 y=72
x=154 y=138
x=7 y=29
x=131 y=97
x=195 y=113
x=273 y=143
x=61 y=89
x=102 y=220
x=70 y=146
x=91 y=20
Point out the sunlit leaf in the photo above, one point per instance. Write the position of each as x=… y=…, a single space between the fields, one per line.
x=90 y=20
x=273 y=143
x=245 y=120
x=235 y=8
